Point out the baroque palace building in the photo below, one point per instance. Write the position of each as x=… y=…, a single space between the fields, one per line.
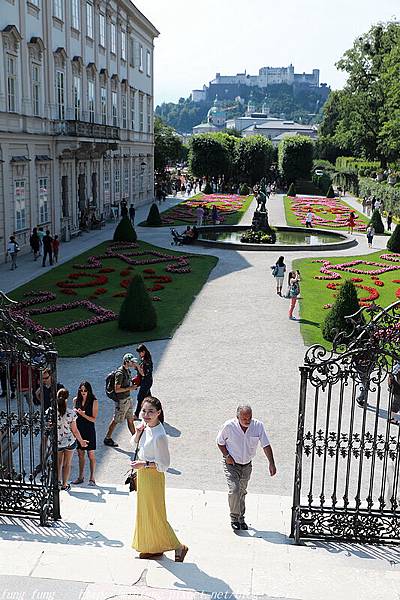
x=76 y=113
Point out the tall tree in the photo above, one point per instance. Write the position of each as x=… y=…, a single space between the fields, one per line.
x=295 y=157
x=168 y=147
x=255 y=155
x=209 y=156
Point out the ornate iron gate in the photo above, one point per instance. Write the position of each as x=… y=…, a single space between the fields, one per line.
x=28 y=423
x=347 y=469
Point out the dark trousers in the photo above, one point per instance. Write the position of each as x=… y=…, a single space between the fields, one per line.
x=50 y=254
x=142 y=394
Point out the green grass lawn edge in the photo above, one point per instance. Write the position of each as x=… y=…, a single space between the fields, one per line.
x=176 y=300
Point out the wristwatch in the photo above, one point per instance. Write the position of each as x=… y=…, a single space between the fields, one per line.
x=226 y=456
x=147 y=464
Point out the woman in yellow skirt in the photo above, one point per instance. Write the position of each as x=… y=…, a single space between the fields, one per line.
x=153 y=534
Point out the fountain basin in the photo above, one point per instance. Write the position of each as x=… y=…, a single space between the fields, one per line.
x=288 y=238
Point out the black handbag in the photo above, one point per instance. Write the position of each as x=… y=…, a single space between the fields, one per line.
x=131 y=480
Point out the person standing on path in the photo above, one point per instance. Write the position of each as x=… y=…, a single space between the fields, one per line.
x=55 y=247
x=389 y=220
x=34 y=243
x=370 y=235
x=351 y=222
x=41 y=236
x=153 y=534
x=132 y=213
x=199 y=215
x=47 y=248
x=86 y=408
x=238 y=440
x=214 y=214
x=293 y=291
x=12 y=251
x=144 y=369
x=67 y=432
x=123 y=405
x=278 y=271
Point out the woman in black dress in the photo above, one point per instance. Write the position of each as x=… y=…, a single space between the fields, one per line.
x=145 y=369
x=86 y=407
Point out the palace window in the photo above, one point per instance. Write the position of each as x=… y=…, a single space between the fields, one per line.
x=106 y=178
x=124 y=112
x=89 y=19
x=91 y=100
x=149 y=114
x=148 y=63
x=102 y=23
x=60 y=92
x=103 y=100
x=75 y=14
x=140 y=58
x=126 y=180
x=36 y=90
x=11 y=84
x=123 y=45
x=132 y=109
x=77 y=98
x=113 y=36
x=141 y=114
x=114 y=107
x=58 y=9
x=117 y=178
x=131 y=51
x=19 y=199
x=44 y=216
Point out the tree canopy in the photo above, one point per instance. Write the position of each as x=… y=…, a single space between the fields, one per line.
x=168 y=147
x=363 y=118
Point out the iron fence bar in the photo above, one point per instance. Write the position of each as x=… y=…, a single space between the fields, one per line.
x=326 y=435
x=386 y=454
x=55 y=489
x=349 y=449
x=370 y=500
x=294 y=533
x=337 y=454
x=20 y=419
x=393 y=500
x=316 y=402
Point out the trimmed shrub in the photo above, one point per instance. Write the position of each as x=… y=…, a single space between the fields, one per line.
x=124 y=231
x=330 y=193
x=376 y=222
x=207 y=188
x=291 y=190
x=346 y=304
x=244 y=190
x=295 y=157
x=137 y=312
x=153 y=218
x=394 y=240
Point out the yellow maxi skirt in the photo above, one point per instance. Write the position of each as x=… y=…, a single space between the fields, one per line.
x=153 y=533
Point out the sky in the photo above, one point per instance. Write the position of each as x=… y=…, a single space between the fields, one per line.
x=199 y=38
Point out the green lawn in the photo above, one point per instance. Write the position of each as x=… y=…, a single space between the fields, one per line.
x=175 y=299
x=318 y=209
x=184 y=213
x=315 y=294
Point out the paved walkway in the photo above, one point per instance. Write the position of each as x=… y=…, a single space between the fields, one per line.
x=88 y=555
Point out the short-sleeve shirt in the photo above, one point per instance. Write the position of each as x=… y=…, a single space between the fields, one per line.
x=242 y=445
x=123 y=379
x=64 y=433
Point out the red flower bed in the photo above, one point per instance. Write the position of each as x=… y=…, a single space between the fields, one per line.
x=96 y=280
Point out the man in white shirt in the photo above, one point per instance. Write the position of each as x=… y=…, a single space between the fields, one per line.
x=309 y=218
x=238 y=440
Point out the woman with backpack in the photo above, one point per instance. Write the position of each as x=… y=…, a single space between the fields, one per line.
x=278 y=271
x=293 y=291
x=12 y=251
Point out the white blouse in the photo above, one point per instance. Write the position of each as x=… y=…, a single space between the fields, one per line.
x=153 y=447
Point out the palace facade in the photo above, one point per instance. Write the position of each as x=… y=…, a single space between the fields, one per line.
x=76 y=113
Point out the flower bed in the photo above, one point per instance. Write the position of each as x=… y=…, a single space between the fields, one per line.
x=328 y=213
x=89 y=288
x=230 y=209
x=375 y=277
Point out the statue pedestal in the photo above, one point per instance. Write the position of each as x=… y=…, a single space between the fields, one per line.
x=260 y=220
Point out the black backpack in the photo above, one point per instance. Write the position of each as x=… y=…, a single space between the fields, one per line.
x=110 y=386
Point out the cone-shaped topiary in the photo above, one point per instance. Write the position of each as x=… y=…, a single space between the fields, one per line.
x=207 y=189
x=376 y=222
x=137 y=312
x=346 y=304
x=330 y=193
x=244 y=190
x=124 y=231
x=153 y=218
x=291 y=190
x=394 y=240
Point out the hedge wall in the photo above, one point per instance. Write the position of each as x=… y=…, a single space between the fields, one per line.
x=389 y=194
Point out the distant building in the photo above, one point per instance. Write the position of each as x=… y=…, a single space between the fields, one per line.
x=216 y=119
x=228 y=87
x=277 y=129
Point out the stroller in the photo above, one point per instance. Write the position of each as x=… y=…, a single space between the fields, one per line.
x=176 y=238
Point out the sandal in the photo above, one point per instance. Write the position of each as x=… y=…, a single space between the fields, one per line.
x=66 y=488
x=394 y=422
x=150 y=555
x=77 y=481
x=92 y=482
x=180 y=556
